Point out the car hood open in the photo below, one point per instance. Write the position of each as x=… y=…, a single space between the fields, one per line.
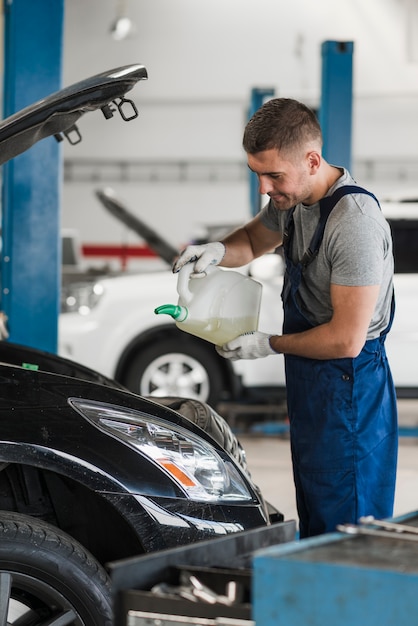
x=58 y=113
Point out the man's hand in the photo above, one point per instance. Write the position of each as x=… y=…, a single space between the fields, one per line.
x=202 y=256
x=253 y=345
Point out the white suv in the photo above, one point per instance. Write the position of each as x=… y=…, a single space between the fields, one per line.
x=109 y=325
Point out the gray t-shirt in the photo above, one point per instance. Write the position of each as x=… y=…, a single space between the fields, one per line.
x=356 y=251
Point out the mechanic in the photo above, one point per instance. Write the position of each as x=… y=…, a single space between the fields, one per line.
x=338 y=307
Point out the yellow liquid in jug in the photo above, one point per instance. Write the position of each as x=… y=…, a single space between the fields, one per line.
x=220 y=330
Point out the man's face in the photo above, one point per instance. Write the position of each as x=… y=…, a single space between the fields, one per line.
x=287 y=180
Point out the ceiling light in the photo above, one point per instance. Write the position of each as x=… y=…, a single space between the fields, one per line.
x=122 y=26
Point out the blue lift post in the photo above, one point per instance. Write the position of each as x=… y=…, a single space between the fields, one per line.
x=335 y=112
x=259 y=95
x=31 y=251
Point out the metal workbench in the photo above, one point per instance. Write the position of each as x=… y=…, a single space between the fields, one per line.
x=368 y=577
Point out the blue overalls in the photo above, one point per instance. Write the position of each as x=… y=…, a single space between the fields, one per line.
x=342 y=414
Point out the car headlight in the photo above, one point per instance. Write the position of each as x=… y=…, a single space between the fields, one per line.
x=193 y=463
x=80 y=297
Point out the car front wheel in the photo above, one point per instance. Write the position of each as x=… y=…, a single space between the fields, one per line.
x=47 y=578
x=188 y=368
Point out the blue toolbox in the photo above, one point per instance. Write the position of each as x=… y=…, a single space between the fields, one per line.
x=363 y=574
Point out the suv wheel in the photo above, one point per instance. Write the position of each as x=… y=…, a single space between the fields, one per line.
x=46 y=577
x=183 y=368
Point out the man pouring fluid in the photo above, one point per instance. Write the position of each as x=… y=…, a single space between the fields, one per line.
x=338 y=307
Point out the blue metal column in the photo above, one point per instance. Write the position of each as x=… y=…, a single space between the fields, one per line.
x=31 y=253
x=335 y=114
x=258 y=97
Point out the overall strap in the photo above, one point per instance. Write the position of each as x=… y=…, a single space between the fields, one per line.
x=326 y=205
x=288 y=230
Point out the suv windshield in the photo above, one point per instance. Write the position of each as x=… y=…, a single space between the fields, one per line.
x=405 y=239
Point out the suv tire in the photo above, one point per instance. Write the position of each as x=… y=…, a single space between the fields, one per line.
x=187 y=368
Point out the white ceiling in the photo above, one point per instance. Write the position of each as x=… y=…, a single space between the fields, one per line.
x=221 y=48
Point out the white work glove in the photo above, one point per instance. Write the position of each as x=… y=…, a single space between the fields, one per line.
x=202 y=256
x=255 y=345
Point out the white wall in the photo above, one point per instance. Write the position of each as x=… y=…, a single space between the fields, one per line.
x=203 y=58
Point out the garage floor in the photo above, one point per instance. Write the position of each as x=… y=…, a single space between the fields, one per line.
x=270 y=466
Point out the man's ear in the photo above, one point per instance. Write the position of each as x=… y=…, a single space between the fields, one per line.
x=314 y=161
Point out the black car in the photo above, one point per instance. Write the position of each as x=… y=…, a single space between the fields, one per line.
x=92 y=473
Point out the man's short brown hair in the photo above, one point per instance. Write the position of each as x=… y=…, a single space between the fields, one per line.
x=283 y=124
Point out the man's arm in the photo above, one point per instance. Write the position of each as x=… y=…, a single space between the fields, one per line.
x=249 y=242
x=343 y=336
x=237 y=249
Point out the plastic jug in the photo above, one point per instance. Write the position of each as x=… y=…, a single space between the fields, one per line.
x=215 y=305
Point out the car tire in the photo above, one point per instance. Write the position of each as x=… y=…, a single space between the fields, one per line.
x=45 y=576
x=185 y=368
